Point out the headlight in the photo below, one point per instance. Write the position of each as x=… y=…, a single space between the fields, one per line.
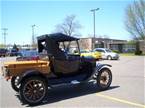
x=2 y=70
x=5 y=71
x=117 y=55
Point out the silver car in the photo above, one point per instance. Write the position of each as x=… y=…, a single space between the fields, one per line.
x=107 y=54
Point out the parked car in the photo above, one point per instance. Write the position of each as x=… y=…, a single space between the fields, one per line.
x=33 y=78
x=3 y=52
x=28 y=55
x=107 y=54
x=87 y=53
x=13 y=52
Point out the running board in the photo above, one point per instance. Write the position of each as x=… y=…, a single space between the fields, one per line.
x=75 y=82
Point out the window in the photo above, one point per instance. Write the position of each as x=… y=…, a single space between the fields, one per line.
x=69 y=47
x=99 y=50
x=107 y=50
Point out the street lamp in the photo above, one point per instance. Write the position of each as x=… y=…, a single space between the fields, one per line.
x=33 y=38
x=94 y=10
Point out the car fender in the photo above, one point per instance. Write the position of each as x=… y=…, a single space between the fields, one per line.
x=99 y=67
x=30 y=73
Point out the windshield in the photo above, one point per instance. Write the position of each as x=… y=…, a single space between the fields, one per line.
x=84 y=51
x=108 y=50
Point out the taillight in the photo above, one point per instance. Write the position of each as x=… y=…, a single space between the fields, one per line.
x=35 y=58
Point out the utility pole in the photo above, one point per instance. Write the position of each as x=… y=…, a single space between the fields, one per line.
x=4 y=35
x=33 y=35
x=94 y=10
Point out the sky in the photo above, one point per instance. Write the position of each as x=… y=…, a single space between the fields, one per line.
x=19 y=16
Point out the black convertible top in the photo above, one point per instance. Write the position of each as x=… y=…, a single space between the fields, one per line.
x=51 y=41
x=58 y=37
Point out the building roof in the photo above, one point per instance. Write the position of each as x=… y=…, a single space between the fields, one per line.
x=104 y=39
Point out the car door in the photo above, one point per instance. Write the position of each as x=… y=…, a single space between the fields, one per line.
x=102 y=53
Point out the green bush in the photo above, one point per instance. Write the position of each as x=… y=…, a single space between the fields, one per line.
x=138 y=52
x=116 y=51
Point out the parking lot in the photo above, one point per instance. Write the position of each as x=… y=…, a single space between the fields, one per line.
x=126 y=91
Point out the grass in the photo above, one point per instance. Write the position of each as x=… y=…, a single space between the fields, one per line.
x=130 y=54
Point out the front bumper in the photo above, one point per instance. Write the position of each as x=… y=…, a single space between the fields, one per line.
x=115 y=57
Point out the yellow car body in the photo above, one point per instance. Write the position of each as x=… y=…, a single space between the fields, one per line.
x=96 y=55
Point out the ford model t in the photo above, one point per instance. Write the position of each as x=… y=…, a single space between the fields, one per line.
x=61 y=64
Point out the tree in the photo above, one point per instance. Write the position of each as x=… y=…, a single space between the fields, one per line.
x=135 y=19
x=135 y=22
x=2 y=45
x=69 y=26
x=15 y=47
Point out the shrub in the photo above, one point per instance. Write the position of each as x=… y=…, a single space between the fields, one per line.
x=138 y=52
x=116 y=51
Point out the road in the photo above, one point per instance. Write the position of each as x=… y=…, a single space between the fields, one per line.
x=126 y=91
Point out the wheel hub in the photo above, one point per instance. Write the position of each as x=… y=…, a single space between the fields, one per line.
x=104 y=78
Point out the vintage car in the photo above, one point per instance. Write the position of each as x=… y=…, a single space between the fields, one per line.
x=31 y=79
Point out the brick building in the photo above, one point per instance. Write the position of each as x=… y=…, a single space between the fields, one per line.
x=113 y=44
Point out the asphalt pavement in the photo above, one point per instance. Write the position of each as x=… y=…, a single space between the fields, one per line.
x=127 y=89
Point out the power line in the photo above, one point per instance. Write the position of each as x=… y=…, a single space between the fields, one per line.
x=4 y=34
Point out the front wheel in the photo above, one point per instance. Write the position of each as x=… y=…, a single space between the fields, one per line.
x=109 y=57
x=33 y=90
x=104 y=79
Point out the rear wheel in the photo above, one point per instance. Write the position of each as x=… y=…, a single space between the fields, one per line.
x=104 y=79
x=14 y=83
x=33 y=90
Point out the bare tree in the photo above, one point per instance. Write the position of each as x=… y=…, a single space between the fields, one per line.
x=135 y=19
x=135 y=22
x=69 y=26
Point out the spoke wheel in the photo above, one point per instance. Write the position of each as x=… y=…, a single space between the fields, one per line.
x=33 y=90
x=14 y=83
x=104 y=79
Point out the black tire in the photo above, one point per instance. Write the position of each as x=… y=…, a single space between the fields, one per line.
x=104 y=79
x=14 y=83
x=109 y=57
x=33 y=90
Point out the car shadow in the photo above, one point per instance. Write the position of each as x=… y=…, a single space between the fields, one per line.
x=69 y=91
